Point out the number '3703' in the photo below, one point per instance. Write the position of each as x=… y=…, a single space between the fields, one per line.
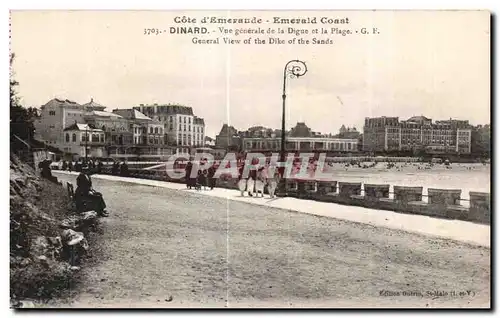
x=151 y=31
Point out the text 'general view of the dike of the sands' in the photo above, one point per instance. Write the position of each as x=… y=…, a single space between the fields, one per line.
x=275 y=31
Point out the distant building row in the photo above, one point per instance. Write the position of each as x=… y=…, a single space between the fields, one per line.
x=420 y=135
x=147 y=131
x=299 y=138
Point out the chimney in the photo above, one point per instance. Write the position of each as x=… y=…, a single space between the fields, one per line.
x=155 y=108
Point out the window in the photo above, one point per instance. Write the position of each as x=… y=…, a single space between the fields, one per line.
x=156 y=130
x=74 y=137
x=67 y=137
x=102 y=137
x=150 y=130
x=52 y=113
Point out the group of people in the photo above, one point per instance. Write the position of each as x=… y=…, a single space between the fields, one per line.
x=254 y=183
x=202 y=179
x=120 y=169
x=257 y=180
x=80 y=164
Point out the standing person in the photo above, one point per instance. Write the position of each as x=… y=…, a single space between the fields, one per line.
x=124 y=169
x=242 y=182
x=202 y=179
x=64 y=165
x=211 y=179
x=115 y=168
x=272 y=183
x=252 y=176
x=99 y=166
x=70 y=165
x=188 y=169
x=260 y=182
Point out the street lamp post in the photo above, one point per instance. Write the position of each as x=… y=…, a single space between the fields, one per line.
x=293 y=69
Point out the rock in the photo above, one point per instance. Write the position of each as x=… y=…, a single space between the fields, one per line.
x=89 y=215
x=69 y=223
x=74 y=268
x=169 y=298
x=72 y=238
x=39 y=246
x=55 y=241
x=74 y=246
x=25 y=262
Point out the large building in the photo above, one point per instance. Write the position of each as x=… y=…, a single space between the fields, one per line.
x=184 y=130
x=417 y=134
x=56 y=115
x=148 y=135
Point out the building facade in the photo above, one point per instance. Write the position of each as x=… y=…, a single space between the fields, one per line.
x=182 y=128
x=148 y=135
x=56 y=115
x=84 y=141
x=418 y=134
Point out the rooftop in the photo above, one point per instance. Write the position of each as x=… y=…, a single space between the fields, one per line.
x=131 y=114
x=81 y=127
x=198 y=121
x=94 y=105
x=102 y=114
x=165 y=109
x=301 y=130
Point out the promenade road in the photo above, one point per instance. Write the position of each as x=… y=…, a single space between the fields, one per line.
x=207 y=250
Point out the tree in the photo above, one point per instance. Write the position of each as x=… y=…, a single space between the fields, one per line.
x=21 y=119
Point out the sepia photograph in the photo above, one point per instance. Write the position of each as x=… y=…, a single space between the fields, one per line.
x=250 y=159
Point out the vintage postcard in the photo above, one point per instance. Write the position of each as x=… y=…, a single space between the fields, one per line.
x=250 y=159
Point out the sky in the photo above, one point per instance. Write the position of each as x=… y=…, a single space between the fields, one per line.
x=431 y=63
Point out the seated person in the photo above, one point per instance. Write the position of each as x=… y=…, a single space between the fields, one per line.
x=87 y=198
